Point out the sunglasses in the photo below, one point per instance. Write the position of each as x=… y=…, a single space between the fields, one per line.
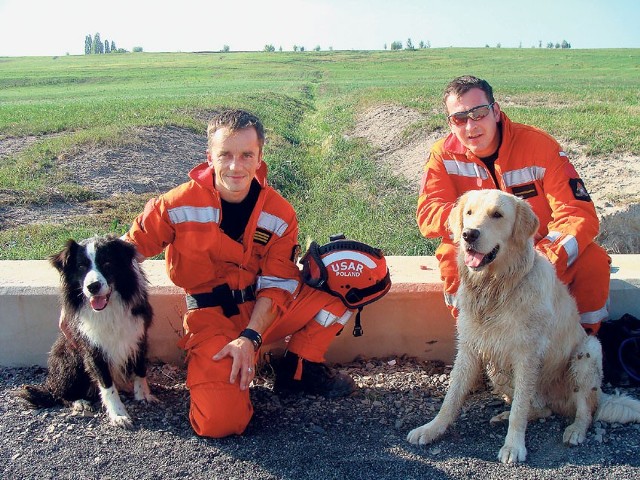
x=476 y=113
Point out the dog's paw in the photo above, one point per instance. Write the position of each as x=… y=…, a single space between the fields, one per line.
x=425 y=434
x=574 y=435
x=148 y=398
x=142 y=392
x=82 y=408
x=512 y=453
x=501 y=417
x=121 y=421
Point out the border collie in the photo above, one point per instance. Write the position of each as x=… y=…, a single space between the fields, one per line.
x=105 y=302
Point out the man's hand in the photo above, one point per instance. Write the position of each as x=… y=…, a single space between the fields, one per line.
x=243 y=355
x=241 y=349
x=63 y=324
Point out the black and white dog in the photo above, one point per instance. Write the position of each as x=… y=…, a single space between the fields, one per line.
x=105 y=301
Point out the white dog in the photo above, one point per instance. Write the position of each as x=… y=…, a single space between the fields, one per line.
x=520 y=322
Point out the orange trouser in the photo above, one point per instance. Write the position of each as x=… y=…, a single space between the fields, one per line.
x=219 y=408
x=587 y=279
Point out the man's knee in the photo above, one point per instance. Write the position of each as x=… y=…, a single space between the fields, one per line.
x=589 y=285
x=218 y=410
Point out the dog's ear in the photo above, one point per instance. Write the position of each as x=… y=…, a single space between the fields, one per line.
x=526 y=222
x=125 y=249
x=454 y=222
x=61 y=259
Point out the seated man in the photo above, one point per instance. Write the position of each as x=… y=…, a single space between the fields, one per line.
x=485 y=149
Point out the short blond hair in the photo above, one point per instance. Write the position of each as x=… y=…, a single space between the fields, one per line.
x=235 y=119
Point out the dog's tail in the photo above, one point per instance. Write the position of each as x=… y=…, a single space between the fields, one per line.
x=37 y=396
x=618 y=408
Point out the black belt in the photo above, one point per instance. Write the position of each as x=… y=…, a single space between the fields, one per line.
x=222 y=296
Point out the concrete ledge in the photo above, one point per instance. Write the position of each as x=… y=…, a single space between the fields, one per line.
x=411 y=319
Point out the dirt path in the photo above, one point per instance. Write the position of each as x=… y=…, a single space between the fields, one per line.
x=155 y=161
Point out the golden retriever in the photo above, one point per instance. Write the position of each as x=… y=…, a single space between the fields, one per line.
x=517 y=320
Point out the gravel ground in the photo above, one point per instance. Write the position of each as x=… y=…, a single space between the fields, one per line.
x=301 y=437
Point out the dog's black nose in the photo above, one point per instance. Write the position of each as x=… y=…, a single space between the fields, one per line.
x=470 y=235
x=94 y=287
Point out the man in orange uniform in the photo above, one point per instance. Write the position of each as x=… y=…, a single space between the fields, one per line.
x=230 y=242
x=485 y=149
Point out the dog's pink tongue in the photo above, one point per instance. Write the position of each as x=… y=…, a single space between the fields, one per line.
x=98 y=302
x=473 y=259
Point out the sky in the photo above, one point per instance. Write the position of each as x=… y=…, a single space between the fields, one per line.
x=59 y=27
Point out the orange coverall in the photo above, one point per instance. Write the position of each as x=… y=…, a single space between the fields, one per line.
x=185 y=223
x=530 y=165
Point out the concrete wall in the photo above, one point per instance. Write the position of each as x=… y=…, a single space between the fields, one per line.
x=410 y=320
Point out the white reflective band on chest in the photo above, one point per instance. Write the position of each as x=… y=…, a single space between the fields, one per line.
x=325 y=318
x=464 y=169
x=194 y=214
x=272 y=223
x=523 y=175
x=348 y=255
x=277 y=282
x=569 y=244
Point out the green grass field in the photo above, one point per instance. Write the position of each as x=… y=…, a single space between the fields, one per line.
x=308 y=102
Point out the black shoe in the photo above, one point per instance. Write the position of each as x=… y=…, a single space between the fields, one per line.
x=317 y=378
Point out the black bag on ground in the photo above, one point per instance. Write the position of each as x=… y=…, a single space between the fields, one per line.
x=620 y=341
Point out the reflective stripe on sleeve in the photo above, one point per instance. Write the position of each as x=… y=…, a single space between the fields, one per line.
x=272 y=223
x=325 y=318
x=286 y=284
x=568 y=243
x=465 y=169
x=590 y=318
x=194 y=214
x=450 y=300
x=523 y=175
x=553 y=236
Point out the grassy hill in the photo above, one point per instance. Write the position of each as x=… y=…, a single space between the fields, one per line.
x=308 y=102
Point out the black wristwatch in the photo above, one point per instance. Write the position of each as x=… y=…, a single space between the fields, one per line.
x=252 y=335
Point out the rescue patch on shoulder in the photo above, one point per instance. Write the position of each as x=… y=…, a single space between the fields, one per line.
x=525 y=191
x=579 y=190
x=262 y=236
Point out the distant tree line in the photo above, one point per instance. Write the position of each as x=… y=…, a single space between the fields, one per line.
x=564 y=44
x=269 y=47
x=93 y=45
x=397 y=45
